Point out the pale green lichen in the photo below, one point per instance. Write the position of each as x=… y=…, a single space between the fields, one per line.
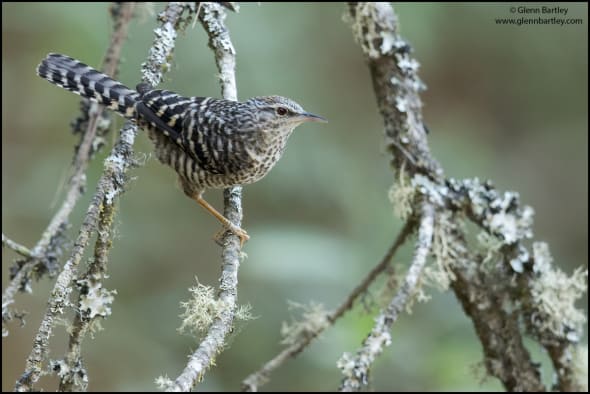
x=200 y=310
x=203 y=308
x=554 y=296
x=490 y=247
x=445 y=252
x=244 y=312
x=314 y=318
x=401 y=195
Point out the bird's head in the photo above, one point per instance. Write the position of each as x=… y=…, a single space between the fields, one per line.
x=280 y=114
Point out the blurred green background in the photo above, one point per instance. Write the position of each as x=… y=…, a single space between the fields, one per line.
x=503 y=102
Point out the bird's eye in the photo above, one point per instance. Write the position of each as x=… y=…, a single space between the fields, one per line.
x=282 y=111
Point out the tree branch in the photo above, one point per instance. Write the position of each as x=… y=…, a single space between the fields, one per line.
x=91 y=124
x=501 y=271
x=374 y=27
x=71 y=370
x=18 y=248
x=93 y=300
x=356 y=369
x=505 y=287
x=172 y=19
x=98 y=217
x=261 y=377
x=212 y=16
x=59 y=299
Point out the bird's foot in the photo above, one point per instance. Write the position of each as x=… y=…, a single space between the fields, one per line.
x=240 y=232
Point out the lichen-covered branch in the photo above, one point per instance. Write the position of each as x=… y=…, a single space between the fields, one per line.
x=92 y=123
x=261 y=377
x=121 y=13
x=94 y=300
x=356 y=368
x=498 y=270
x=59 y=299
x=374 y=27
x=554 y=321
x=175 y=17
x=212 y=16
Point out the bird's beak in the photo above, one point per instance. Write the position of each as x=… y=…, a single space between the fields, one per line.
x=309 y=117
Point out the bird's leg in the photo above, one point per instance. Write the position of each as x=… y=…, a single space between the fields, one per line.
x=225 y=221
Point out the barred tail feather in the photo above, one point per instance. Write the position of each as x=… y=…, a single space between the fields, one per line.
x=85 y=81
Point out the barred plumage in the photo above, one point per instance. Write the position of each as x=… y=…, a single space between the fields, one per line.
x=81 y=79
x=210 y=143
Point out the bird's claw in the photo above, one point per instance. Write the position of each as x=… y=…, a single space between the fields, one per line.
x=241 y=233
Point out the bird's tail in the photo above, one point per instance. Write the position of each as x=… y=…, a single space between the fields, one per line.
x=81 y=79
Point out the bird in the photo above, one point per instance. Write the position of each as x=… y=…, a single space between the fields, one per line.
x=211 y=143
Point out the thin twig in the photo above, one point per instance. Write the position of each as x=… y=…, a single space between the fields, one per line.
x=212 y=18
x=356 y=368
x=18 y=248
x=261 y=376
x=122 y=13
